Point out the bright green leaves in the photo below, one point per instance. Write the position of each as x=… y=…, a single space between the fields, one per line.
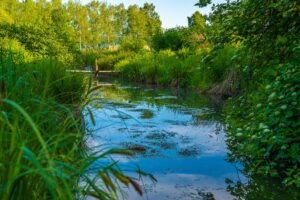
x=5 y=17
x=269 y=128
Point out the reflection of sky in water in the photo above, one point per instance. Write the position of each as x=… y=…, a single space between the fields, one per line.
x=185 y=146
x=178 y=186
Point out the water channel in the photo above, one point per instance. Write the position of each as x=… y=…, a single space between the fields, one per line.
x=182 y=134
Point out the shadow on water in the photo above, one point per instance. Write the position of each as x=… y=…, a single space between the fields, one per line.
x=183 y=140
x=261 y=188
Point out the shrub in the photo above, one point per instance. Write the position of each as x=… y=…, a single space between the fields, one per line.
x=42 y=42
x=108 y=59
x=15 y=50
x=132 y=44
x=264 y=127
x=216 y=64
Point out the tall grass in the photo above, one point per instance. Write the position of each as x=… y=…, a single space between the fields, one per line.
x=161 y=68
x=42 y=148
x=35 y=133
x=106 y=59
x=198 y=69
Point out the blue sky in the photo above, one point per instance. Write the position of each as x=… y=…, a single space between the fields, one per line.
x=172 y=12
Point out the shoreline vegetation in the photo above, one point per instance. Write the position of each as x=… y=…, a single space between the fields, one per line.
x=247 y=51
x=43 y=150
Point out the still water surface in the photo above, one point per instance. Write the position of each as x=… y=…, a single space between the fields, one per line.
x=181 y=131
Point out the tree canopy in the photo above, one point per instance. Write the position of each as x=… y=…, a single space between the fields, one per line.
x=51 y=28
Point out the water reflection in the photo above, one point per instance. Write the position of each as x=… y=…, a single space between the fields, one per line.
x=261 y=188
x=181 y=134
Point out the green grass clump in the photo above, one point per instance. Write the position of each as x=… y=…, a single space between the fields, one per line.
x=41 y=140
x=42 y=146
x=107 y=59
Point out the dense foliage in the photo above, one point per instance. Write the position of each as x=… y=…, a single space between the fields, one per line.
x=269 y=122
x=264 y=121
x=69 y=32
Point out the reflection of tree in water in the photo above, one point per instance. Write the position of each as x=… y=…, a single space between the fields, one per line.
x=257 y=187
x=261 y=188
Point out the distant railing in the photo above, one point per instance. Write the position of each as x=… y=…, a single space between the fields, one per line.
x=90 y=71
x=96 y=70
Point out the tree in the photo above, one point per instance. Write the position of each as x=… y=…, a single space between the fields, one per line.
x=56 y=4
x=203 y=3
x=79 y=20
x=173 y=39
x=153 y=25
x=94 y=23
x=198 y=31
x=29 y=13
x=108 y=36
x=262 y=130
x=120 y=18
x=197 y=20
x=136 y=27
x=10 y=6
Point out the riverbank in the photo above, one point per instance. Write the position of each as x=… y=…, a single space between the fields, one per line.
x=184 y=68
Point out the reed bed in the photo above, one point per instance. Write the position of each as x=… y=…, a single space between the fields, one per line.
x=42 y=148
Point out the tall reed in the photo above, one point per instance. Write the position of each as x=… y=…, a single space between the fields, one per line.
x=42 y=148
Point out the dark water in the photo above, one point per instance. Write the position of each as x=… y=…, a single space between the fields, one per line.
x=183 y=136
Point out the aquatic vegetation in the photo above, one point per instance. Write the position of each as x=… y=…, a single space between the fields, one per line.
x=145 y=113
x=191 y=151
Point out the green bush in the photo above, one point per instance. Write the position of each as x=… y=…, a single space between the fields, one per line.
x=264 y=127
x=42 y=41
x=107 y=59
x=15 y=50
x=216 y=64
x=132 y=44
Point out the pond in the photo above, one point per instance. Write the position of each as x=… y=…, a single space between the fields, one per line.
x=181 y=135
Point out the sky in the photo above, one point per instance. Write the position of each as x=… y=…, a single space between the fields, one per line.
x=172 y=12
